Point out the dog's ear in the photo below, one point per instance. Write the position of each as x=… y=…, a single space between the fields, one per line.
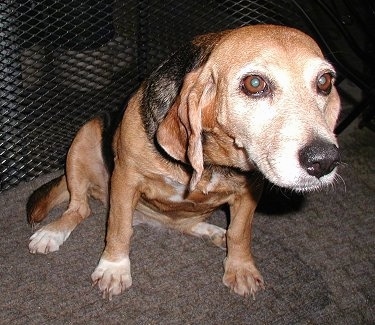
x=173 y=101
x=180 y=133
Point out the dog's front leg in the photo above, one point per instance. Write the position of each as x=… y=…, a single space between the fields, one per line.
x=112 y=275
x=241 y=274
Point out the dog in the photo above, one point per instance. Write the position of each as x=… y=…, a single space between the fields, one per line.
x=211 y=123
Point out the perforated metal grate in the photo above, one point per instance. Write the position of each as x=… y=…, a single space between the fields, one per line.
x=63 y=61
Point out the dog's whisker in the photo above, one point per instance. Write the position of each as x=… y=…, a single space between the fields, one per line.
x=339 y=179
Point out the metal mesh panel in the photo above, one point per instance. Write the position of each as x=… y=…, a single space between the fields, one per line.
x=63 y=61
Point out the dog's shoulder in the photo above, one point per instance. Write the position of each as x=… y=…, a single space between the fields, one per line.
x=164 y=84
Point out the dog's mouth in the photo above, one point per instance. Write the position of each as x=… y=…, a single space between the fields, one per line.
x=301 y=181
x=314 y=184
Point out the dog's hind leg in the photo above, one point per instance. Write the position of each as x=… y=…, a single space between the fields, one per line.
x=214 y=234
x=86 y=175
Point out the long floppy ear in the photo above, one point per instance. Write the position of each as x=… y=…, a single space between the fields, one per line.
x=180 y=133
x=173 y=100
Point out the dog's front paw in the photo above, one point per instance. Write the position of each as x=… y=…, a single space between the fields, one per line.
x=112 y=278
x=45 y=240
x=242 y=277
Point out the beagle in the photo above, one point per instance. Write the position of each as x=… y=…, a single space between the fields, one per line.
x=210 y=123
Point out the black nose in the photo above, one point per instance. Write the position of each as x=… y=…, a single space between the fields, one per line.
x=319 y=158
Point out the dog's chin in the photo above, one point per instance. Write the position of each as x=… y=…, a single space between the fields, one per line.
x=296 y=178
x=300 y=180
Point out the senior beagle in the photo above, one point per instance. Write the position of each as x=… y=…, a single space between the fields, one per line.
x=210 y=123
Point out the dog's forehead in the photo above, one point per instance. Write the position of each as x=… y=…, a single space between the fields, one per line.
x=265 y=43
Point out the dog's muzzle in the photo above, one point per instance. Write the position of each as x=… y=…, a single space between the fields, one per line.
x=319 y=158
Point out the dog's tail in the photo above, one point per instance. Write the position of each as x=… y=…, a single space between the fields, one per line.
x=45 y=198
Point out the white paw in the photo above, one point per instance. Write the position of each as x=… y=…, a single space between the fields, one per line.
x=45 y=241
x=112 y=278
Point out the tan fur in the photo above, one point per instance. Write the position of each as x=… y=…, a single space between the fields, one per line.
x=222 y=141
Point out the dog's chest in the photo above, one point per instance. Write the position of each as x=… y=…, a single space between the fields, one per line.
x=169 y=194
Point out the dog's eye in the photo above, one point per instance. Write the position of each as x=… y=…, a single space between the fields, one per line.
x=324 y=83
x=254 y=85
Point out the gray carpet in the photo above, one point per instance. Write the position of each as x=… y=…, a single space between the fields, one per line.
x=316 y=253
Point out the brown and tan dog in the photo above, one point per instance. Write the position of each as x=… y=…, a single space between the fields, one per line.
x=204 y=130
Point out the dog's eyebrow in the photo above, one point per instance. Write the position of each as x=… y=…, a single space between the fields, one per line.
x=328 y=67
x=253 y=68
x=320 y=63
x=317 y=66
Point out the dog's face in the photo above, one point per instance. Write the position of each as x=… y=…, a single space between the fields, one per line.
x=270 y=90
x=276 y=98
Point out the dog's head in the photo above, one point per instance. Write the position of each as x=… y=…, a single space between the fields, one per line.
x=256 y=97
